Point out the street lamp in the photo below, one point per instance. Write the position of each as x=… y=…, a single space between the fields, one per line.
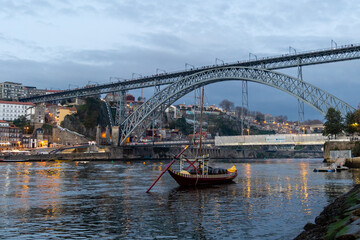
x=92 y=82
x=217 y=59
x=191 y=66
x=117 y=78
x=291 y=48
x=158 y=69
x=133 y=74
x=333 y=42
x=251 y=54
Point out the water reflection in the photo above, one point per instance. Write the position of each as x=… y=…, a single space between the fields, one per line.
x=270 y=199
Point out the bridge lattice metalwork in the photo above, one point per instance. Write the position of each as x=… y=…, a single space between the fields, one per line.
x=344 y=53
x=313 y=96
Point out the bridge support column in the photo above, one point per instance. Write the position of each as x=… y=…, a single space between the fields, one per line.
x=115 y=134
x=154 y=117
x=301 y=117
x=98 y=134
x=108 y=137
x=120 y=109
x=245 y=105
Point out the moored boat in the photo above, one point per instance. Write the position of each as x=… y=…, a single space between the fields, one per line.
x=201 y=173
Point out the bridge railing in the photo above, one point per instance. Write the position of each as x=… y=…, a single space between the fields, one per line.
x=271 y=62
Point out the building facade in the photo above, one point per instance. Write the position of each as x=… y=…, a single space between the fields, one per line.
x=62 y=112
x=9 y=111
x=11 y=91
x=10 y=136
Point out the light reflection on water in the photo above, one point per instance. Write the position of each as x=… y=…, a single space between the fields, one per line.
x=270 y=199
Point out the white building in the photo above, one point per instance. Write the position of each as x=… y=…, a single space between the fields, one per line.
x=9 y=111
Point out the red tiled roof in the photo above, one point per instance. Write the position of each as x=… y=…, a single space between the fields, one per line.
x=18 y=103
x=53 y=91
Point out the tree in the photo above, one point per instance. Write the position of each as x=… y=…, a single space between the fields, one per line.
x=238 y=111
x=349 y=125
x=224 y=127
x=281 y=118
x=226 y=105
x=183 y=126
x=334 y=122
x=352 y=122
x=23 y=124
x=259 y=117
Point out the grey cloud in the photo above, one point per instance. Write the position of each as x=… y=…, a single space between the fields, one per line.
x=25 y=7
x=167 y=34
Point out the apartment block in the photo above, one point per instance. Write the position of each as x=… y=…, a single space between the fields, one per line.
x=11 y=91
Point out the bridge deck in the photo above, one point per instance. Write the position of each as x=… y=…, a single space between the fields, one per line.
x=343 y=53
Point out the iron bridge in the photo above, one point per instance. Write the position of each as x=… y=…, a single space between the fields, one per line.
x=182 y=82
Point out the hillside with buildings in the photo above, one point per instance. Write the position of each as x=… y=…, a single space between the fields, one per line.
x=76 y=121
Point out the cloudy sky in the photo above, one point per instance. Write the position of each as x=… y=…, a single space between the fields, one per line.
x=59 y=44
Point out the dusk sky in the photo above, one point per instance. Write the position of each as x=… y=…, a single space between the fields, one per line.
x=60 y=44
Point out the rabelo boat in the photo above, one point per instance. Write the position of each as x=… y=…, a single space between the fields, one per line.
x=197 y=172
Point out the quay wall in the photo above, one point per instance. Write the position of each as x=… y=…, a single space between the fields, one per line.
x=127 y=153
x=353 y=162
x=64 y=156
x=149 y=152
x=336 y=145
x=167 y=152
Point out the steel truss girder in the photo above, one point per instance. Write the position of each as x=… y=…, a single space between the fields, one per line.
x=313 y=96
x=349 y=52
x=308 y=58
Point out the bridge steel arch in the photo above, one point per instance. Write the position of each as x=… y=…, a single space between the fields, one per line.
x=306 y=92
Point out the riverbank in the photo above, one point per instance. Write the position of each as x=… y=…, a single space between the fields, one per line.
x=339 y=220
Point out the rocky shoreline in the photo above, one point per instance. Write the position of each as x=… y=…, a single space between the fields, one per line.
x=339 y=220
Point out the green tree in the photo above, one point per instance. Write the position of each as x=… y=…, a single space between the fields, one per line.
x=224 y=127
x=334 y=122
x=352 y=122
x=350 y=126
x=259 y=117
x=23 y=124
x=47 y=129
x=183 y=126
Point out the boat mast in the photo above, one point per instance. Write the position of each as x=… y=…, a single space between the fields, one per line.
x=201 y=118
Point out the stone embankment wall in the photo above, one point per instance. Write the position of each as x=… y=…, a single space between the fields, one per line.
x=157 y=152
x=60 y=156
x=336 y=145
x=65 y=137
x=169 y=152
x=353 y=162
x=339 y=220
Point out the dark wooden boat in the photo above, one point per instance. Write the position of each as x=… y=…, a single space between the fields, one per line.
x=187 y=180
x=201 y=173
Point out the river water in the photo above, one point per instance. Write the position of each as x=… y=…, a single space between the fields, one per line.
x=270 y=199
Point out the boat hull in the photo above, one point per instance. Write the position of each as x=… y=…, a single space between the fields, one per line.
x=187 y=180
